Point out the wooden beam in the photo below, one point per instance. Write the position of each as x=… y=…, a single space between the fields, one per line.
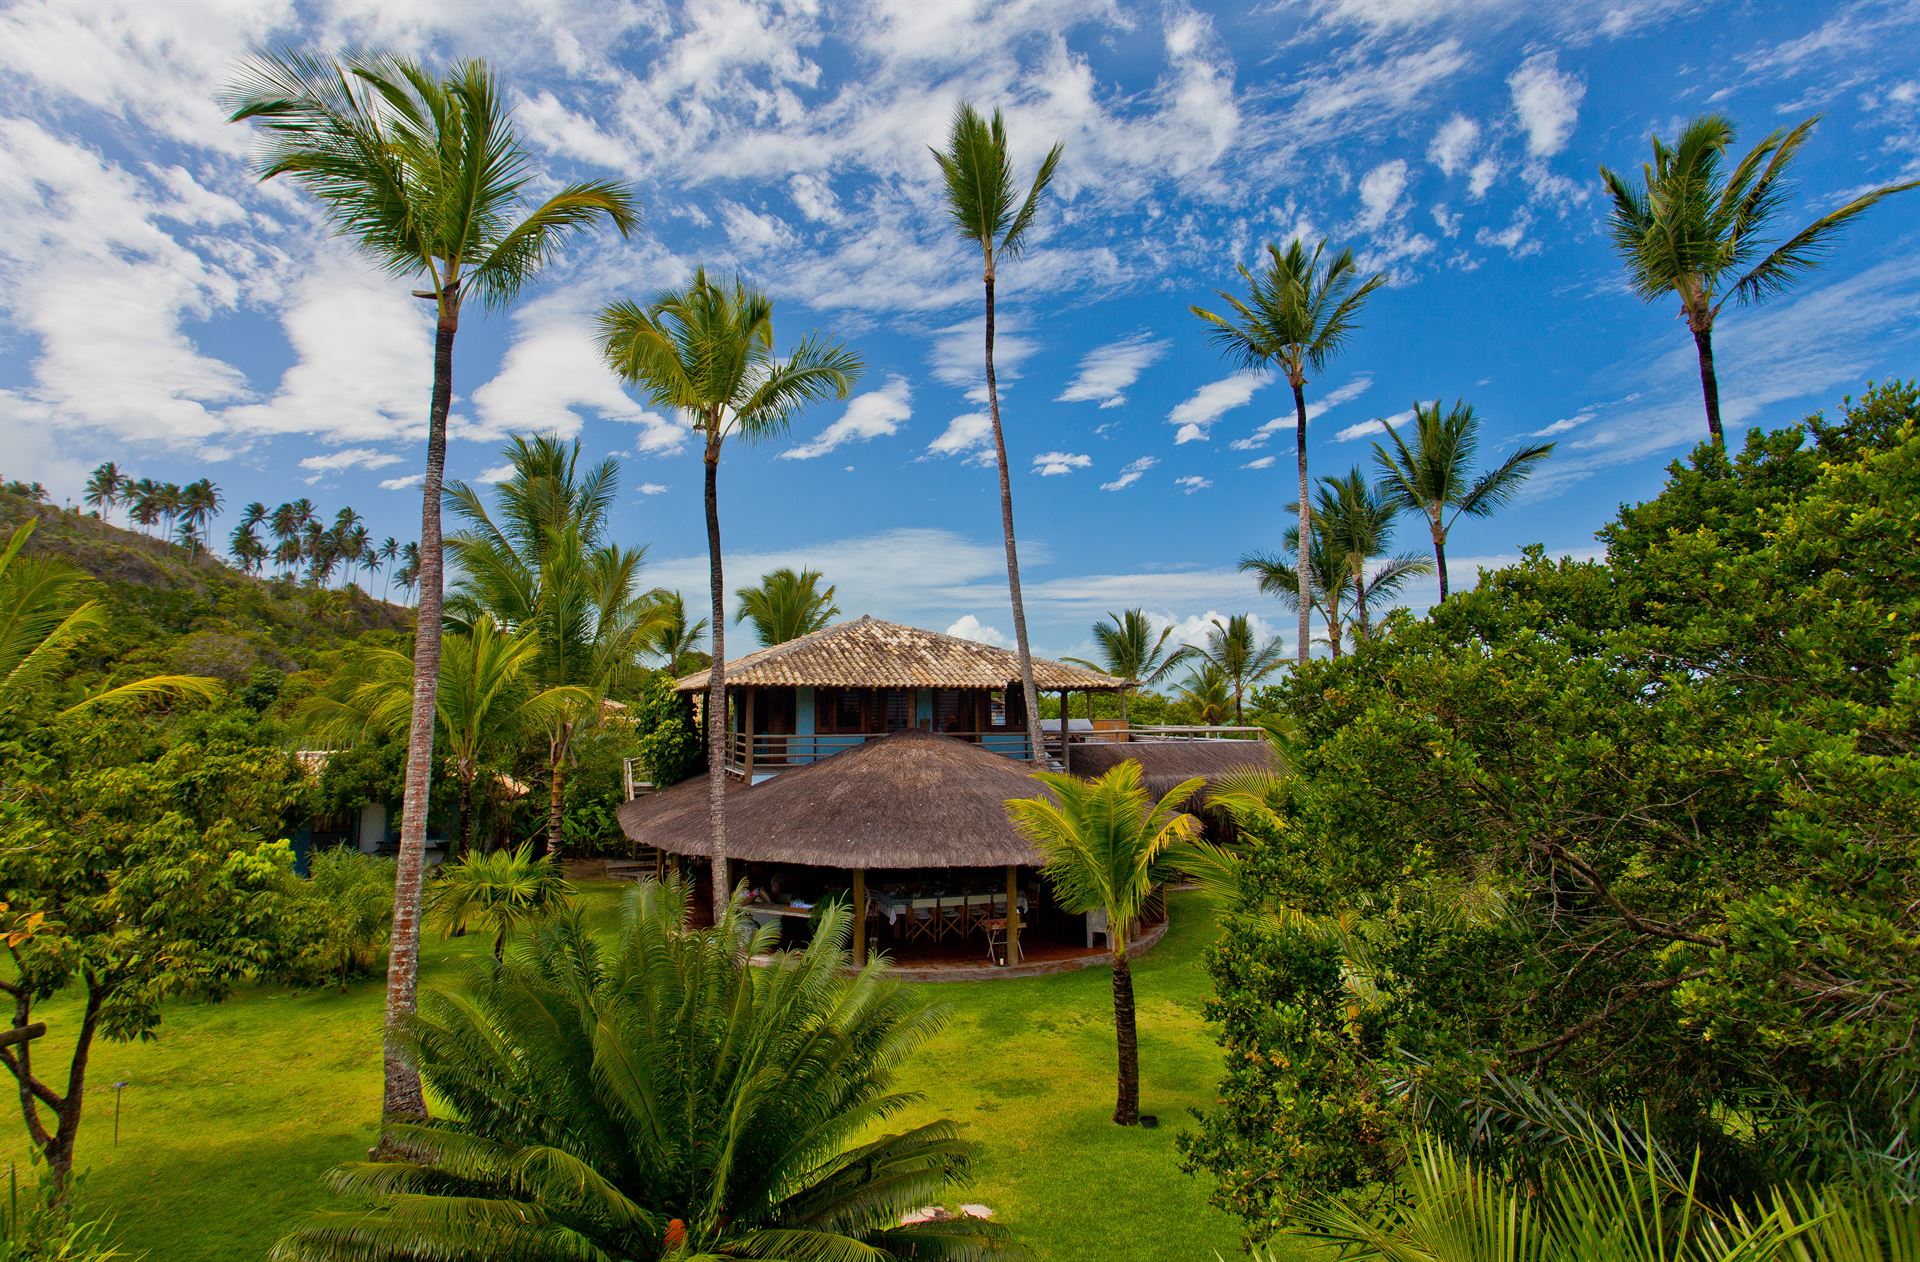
x=1013 y=915
x=1066 y=758
x=746 y=724
x=859 y=917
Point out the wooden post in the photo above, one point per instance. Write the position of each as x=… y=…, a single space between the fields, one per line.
x=746 y=724
x=1013 y=915
x=859 y=917
x=1066 y=759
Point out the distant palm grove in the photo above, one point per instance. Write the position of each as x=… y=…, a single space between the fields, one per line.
x=1560 y=910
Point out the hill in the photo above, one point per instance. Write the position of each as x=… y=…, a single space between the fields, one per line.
x=195 y=615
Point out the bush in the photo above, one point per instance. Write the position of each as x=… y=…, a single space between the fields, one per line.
x=670 y=748
x=347 y=898
x=35 y=1226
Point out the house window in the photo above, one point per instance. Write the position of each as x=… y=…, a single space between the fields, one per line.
x=838 y=710
x=893 y=709
x=947 y=714
x=997 y=708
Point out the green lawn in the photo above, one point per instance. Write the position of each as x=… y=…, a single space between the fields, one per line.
x=231 y=1117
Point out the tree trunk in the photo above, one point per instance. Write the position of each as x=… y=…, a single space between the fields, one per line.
x=1126 y=1109
x=1440 y=560
x=1306 y=523
x=556 y=799
x=466 y=817
x=1709 y=383
x=1027 y=691
x=402 y=1097
x=716 y=690
x=1364 y=627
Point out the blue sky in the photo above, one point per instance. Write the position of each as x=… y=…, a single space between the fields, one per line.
x=159 y=308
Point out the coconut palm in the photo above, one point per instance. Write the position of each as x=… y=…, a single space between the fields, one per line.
x=539 y=562
x=989 y=213
x=199 y=501
x=661 y=1098
x=105 y=487
x=786 y=605
x=1242 y=656
x=44 y=613
x=708 y=350
x=1435 y=479
x=1353 y=527
x=1693 y=229
x=389 y=556
x=143 y=503
x=244 y=546
x=1130 y=650
x=408 y=575
x=424 y=173
x=1101 y=843
x=673 y=642
x=1329 y=580
x=505 y=890
x=1296 y=316
x=1206 y=692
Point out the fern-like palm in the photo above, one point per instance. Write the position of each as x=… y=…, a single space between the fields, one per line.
x=1434 y=477
x=1131 y=650
x=1243 y=657
x=707 y=351
x=663 y=1098
x=505 y=890
x=1298 y=314
x=1102 y=843
x=1694 y=229
x=1207 y=692
x=786 y=605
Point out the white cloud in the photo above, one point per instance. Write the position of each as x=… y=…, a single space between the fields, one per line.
x=815 y=198
x=1133 y=472
x=1378 y=425
x=969 y=627
x=403 y=482
x=1192 y=482
x=494 y=476
x=652 y=488
x=1214 y=400
x=1345 y=392
x=874 y=414
x=959 y=355
x=1264 y=462
x=1107 y=372
x=1050 y=464
x=1453 y=144
x=1381 y=189
x=1547 y=102
x=1194 y=630
x=969 y=434
x=1513 y=238
x=350 y=458
x=755 y=231
x=1481 y=178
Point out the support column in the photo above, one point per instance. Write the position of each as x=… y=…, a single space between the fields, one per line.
x=746 y=727
x=1066 y=758
x=1013 y=915
x=859 y=917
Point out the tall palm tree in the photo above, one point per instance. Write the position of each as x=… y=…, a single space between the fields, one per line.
x=786 y=605
x=143 y=500
x=1242 y=656
x=389 y=554
x=408 y=575
x=1434 y=477
x=170 y=500
x=1356 y=521
x=708 y=350
x=200 y=500
x=1205 y=690
x=540 y=562
x=1695 y=230
x=1329 y=580
x=674 y=642
x=1296 y=316
x=1101 y=843
x=423 y=172
x=661 y=1098
x=989 y=214
x=105 y=486
x=1130 y=650
x=245 y=547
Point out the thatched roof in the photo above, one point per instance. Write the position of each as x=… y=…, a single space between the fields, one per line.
x=869 y=653
x=676 y=808
x=1164 y=764
x=909 y=800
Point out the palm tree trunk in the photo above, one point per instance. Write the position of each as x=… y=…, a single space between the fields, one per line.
x=466 y=817
x=1306 y=523
x=716 y=692
x=556 y=799
x=1365 y=627
x=1440 y=560
x=402 y=1097
x=1709 y=383
x=1126 y=1109
x=1028 y=692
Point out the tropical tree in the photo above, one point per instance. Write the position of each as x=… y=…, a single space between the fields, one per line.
x=245 y=547
x=708 y=350
x=389 y=553
x=786 y=605
x=1101 y=842
x=1434 y=477
x=990 y=214
x=673 y=642
x=1358 y=522
x=1206 y=692
x=105 y=487
x=1329 y=580
x=1296 y=316
x=199 y=501
x=540 y=563
x=143 y=503
x=1131 y=650
x=1243 y=658
x=408 y=575
x=661 y=1098
x=424 y=173
x=504 y=890
x=1693 y=229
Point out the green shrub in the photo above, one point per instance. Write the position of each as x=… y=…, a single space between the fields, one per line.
x=348 y=900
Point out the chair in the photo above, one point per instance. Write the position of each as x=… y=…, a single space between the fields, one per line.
x=921 y=919
x=996 y=931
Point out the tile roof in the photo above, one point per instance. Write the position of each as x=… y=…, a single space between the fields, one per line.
x=869 y=653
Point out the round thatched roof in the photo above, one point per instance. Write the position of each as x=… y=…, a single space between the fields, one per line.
x=909 y=800
x=1165 y=764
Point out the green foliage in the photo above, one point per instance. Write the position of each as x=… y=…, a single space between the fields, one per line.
x=42 y=1225
x=1642 y=831
x=503 y=890
x=348 y=897
x=786 y=604
x=660 y=1098
x=669 y=747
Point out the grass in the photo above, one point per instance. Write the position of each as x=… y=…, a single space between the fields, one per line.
x=232 y=1116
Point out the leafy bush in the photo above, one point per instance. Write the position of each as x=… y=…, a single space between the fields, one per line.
x=348 y=900
x=501 y=889
x=1642 y=831
x=36 y=1225
x=670 y=748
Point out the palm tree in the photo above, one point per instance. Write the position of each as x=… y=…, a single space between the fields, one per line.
x=1435 y=478
x=1691 y=229
x=1129 y=650
x=199 y=501
x=1100 y=844
x=673 y=642
x=1296 y=316
x=786 y=605
x=143 y=498
x=169 y=499
x=245 y=547
x=543 y=567
x=105 y=485
x=408 y=575
x=1329 y=580
x=1205 y=691
x=502 y=889
x=1242 y=657
x=424 y=173
x=980 y=196
x=389 y=552
x=661 y=1098
x=1358 y=521
x=708 y=350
